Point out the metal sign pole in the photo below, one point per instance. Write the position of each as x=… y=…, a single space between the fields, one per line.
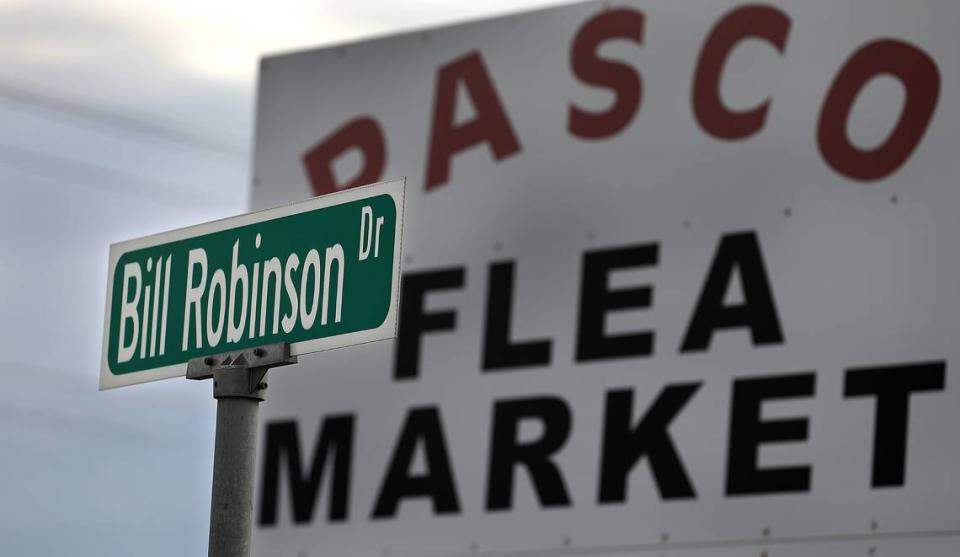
x=239 y=382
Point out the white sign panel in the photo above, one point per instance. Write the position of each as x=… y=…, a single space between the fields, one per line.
x=678 y=276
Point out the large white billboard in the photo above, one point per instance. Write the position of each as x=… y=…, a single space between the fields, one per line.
x=680 y=278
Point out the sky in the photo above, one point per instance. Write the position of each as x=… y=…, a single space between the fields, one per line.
x=118 y=119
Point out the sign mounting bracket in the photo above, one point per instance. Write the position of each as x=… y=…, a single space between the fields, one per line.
x=265 y=357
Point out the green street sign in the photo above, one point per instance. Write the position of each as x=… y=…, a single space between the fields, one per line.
x=319 y=274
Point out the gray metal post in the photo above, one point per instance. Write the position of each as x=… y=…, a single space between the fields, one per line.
x=239 y=382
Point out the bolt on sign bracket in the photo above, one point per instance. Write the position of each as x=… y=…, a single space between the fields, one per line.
x=241 y=373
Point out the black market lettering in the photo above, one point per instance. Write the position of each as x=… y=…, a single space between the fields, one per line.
x=422 y=428
x=737 y=254
x=623 y=446
x=334 y=444
x=597 y=300
x=415 y=321
x=892 y=386
x=508 y=453
x=499 y=351
x=748 y=432
x=636 y=444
